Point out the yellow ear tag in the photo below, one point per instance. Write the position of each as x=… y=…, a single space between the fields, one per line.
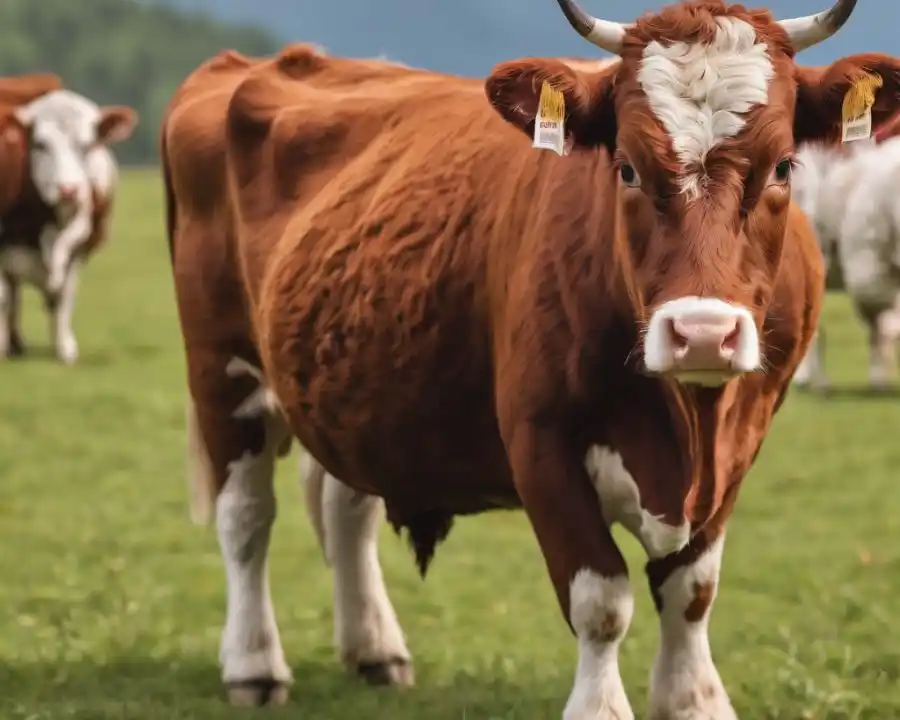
x=549 y=125
x=856 y=112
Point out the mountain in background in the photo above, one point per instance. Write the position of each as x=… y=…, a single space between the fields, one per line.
x=470 y=36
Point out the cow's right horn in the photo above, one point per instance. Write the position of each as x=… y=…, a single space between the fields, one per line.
x=809 y=30
x=604 y=34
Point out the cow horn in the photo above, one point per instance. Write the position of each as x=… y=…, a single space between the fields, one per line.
x=603 y=33
x=810 y=30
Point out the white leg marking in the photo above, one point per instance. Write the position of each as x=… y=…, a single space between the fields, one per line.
x=620 y=501
x=882 y=350
x=366 y=628
x=600 y=610
x=245 y=511
x=261 y=401
x=63 y=337
x=700 y=92
x=811 y=371
x=684 y=683
x=58 y=246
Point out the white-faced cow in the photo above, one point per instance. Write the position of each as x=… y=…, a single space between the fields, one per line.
x=373 y=260
x=59 y=201
x=850 y=196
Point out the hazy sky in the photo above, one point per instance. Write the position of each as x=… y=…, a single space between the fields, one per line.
x=470 y=36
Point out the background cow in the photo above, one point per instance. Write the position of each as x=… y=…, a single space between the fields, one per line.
x=58 y=202
x=850 y=195
x=372 y=261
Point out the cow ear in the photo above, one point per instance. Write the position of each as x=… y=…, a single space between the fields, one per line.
x=514 y=90
x=821 y=92
x=116 y=123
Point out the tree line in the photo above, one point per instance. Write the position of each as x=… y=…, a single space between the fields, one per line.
x=118 y=52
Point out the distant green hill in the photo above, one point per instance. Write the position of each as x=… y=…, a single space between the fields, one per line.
x=118 y=51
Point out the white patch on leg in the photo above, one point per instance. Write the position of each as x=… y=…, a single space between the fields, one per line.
x=600 y=610
x=245 y=511
x=700 y=92
x=684 y=683
x=63 y=336
x=811 y=371
x=261 y=401
x=366 y=628
x=620 y=501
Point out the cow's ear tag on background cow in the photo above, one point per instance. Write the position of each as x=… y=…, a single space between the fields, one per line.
x=856 y=111
x=550 y=123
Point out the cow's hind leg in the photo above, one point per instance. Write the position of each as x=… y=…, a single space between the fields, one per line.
x=234 y=450
x=685 y=684
x=367 y=634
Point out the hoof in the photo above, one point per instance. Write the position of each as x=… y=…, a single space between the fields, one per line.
x=257 y=693
x=397 y=672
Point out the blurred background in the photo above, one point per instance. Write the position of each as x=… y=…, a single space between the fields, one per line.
x=137 y=51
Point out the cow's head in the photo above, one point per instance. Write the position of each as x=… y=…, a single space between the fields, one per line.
x=701 y=113
x=62 y=129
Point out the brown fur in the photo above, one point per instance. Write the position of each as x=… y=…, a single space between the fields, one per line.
x=448 y=317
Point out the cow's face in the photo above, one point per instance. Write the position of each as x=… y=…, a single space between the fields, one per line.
x=701 y=115
x=63 y=129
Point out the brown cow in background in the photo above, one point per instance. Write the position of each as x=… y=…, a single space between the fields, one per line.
x=58 y=184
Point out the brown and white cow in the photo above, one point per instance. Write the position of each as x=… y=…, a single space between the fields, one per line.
x=849 y=194
x=371 y=259
x=59 y=182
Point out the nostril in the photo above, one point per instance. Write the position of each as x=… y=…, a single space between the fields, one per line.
x=678 y=334
x=731 y=339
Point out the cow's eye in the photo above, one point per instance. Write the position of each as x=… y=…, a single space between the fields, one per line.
x=781 y=173
x=629 y=175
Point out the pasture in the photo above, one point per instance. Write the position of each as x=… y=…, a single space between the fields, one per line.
x=111 y=603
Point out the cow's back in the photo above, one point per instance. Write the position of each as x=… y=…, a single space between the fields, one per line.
x=22 y=89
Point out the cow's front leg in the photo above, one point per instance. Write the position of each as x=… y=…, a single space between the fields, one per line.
x=684 y=683
x=60 y=307
x=588 y=571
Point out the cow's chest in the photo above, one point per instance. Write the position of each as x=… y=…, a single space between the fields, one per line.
x=24 y=264
x=620 y=502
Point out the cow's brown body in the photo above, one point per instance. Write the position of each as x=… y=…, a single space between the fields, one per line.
x=448 y=319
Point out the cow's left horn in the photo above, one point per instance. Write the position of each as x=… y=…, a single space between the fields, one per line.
x=604 y=34
x=810 y=30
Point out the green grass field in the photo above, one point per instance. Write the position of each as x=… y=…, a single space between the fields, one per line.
x=111 y=603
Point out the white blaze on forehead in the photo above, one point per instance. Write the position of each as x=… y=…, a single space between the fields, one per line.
x=699 y=92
